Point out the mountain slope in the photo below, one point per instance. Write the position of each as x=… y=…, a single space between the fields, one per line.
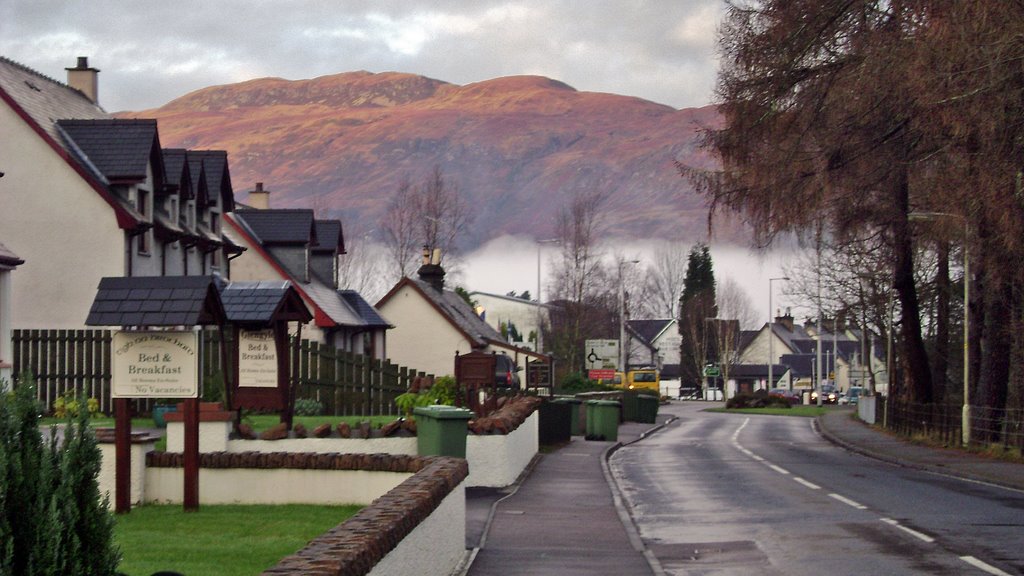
x=517 y=147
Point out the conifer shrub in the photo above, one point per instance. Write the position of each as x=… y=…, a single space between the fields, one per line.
x=52 y=519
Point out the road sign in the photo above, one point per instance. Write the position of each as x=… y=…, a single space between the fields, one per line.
x=602 y=355
x=712 y=371
x=601 y=374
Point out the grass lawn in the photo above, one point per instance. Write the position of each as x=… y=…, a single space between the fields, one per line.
x=222 y=540
x=800 y=410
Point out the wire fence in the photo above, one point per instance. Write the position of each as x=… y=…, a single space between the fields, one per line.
x=989 y=427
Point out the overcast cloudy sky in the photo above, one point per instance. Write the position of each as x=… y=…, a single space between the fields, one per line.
x=152 y=52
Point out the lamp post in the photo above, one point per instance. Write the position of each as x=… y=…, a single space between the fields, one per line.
x=540 y=303
x=622 y=317
x=965 y=422
x=771 y=331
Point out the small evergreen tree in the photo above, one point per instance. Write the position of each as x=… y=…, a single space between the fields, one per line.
x=696 y=305
x=52 y=519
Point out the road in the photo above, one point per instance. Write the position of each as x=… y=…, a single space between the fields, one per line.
x=721 y=494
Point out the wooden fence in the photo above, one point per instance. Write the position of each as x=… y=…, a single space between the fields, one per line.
x=63 y=361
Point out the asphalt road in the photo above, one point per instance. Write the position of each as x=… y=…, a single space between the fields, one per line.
x=721 y=494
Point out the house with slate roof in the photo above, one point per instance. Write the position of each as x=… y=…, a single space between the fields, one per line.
x=87 y=196
x=655 y=342
x=293 y=245
x=433 y=324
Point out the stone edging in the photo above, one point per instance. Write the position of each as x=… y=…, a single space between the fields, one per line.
x=355 y=546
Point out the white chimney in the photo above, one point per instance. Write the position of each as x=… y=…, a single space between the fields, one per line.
x=85 y=79
x=259 y=198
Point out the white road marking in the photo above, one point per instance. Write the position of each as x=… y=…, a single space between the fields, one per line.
x=810 y=485
x=848 y=502
x=983 y=566
x=778 y=469
x=919 y=535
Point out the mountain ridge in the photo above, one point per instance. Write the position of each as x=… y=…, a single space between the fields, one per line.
x=517 y=147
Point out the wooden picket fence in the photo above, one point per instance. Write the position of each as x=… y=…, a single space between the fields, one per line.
x=63 y=361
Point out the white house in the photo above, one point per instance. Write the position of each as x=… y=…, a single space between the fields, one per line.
x=87 y=196
x=433 y=324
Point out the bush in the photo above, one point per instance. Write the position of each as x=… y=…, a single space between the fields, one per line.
x=576 y=382
x=52 y=519
x=444 y=391
x=68 y=405
x=308 y=407
x=755 y=401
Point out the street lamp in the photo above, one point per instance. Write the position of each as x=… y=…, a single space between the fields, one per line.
x=965 y=422
x=771 y=332
x=540 y=302
x=622 y=316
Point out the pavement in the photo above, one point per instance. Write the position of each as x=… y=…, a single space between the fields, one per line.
x=565 y=514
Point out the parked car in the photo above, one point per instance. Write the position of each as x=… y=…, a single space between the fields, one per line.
x=506 y=372
x=852 y=395
x=787 y=395
x=829 y=395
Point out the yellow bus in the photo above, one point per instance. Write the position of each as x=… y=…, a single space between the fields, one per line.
x=647 y=378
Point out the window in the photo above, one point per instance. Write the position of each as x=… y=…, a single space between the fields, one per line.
x=144 y=206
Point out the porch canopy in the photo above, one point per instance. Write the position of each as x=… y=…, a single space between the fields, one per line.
x=157 y=301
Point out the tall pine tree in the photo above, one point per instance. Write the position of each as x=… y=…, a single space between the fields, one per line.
x=696 y=306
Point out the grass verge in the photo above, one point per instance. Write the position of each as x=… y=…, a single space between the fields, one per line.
x=223 y=540
x=801 y=411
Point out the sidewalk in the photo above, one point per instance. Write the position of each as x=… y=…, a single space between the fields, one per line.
x=842 y=428
x=564 y=518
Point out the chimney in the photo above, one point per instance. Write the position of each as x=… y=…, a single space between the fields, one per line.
x=259 y=198
x=84 y=79
x=431 y=271
x=786 y=321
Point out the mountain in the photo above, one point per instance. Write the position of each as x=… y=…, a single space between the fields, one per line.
x=517 y=148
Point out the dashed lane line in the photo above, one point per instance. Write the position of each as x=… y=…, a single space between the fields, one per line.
x=984 y=566
x=979 y=564
x=806 y=483
x=919 y=535
x=847 y=501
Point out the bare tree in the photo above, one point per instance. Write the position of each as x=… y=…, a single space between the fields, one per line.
x=578 y=277
x=665 y=280
x=432 y=215
x=399 y=226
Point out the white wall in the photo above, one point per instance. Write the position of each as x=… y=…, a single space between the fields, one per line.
x=435 y=546
x=57 y=223
x=497 y=460
x=272 y=486
x=422 y=339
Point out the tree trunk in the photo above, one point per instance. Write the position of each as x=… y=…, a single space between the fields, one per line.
x=918 y=373
x=940 y=366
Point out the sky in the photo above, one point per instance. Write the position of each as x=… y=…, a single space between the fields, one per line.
x=152 y=52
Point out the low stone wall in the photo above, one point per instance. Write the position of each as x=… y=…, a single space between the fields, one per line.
x=418 y=527
x=497 y=460
x=277 y=477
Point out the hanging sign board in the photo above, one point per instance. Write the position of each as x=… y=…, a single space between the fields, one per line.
x=257 y=358
x=155 y=365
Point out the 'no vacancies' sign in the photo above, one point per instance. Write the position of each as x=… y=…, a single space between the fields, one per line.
x=155 y=365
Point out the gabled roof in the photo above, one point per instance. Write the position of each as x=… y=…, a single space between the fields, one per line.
x=122 y=150
x=218 y=177
x=454 y=309
x=801 y=365
x=40 y=101
x=178 y=172
x=156 y=301
x=371 y=317
x=331 y=309
x=43 y=99
x=328 y=236
x=263 y=302
x=279 y=227
x=650 y=330
x=847 y=348
x=197 y=173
